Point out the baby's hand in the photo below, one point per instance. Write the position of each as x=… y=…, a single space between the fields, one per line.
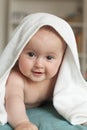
x=26 y=126
x=84 y=123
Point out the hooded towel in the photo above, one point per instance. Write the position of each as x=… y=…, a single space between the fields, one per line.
x=70 y=91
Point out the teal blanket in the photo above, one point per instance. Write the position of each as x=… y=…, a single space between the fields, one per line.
x=46 y=118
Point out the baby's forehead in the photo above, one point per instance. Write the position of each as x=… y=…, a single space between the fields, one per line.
x=51 y=29
x=48 y=29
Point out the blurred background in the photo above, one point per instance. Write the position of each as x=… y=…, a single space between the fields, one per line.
x=73 y=11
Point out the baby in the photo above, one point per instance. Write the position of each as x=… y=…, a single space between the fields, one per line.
x=41 y=63
x=32 y=79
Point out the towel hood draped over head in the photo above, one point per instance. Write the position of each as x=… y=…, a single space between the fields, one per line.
x=70 y=93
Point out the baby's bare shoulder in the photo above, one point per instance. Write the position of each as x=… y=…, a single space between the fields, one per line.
x=14 y=85
x=15 y=75
x=15 y=78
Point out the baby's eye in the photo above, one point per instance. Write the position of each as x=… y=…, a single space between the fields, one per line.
x=31 y=54
x=50 y=57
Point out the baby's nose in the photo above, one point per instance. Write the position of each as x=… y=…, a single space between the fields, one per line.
x=39 y=62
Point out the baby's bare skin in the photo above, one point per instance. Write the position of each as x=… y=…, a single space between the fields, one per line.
x=26 y=126
x=32 y=79
x=29 y=94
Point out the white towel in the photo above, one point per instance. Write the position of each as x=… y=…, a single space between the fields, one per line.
x=70 y=93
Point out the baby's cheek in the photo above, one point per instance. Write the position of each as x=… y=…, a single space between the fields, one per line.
x=52 y=72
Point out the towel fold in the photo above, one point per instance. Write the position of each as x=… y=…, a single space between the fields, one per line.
x=70 y=92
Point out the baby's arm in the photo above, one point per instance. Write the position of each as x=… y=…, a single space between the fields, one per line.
x=15 y=106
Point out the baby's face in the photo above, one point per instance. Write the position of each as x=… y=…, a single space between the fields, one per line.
x=42 y=56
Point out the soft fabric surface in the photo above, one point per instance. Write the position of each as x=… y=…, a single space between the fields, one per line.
x=70 y=93
x=46 y=118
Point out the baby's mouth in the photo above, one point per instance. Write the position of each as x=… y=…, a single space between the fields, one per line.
x=38 y=73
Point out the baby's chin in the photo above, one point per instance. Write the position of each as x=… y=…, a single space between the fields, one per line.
x=37 y=79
